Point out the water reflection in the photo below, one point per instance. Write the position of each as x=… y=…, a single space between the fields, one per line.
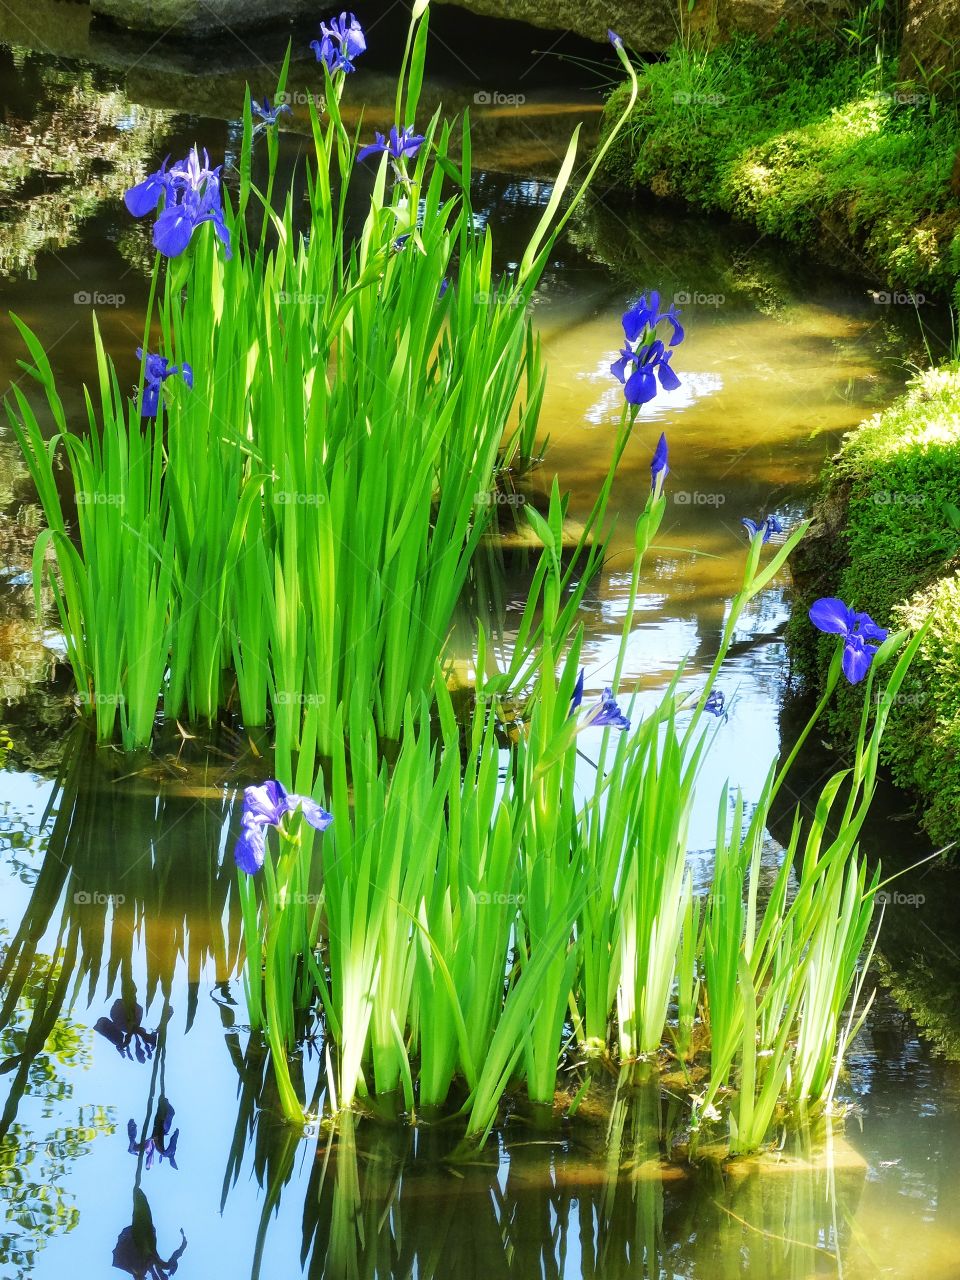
x=136 y=1250
x=599 y=1200
x=37 y=1156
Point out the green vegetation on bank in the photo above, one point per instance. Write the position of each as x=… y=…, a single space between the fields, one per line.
x=809 y=140
x=888 y=541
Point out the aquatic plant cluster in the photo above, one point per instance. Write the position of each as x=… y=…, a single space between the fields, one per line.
x=280 y=523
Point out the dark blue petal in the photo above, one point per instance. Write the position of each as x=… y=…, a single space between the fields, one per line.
x=668 y=379
x=251 y=848
x=577 y=698
x=658 y=463
x=372 y=148
x=856 y=659
x=619 y=367
x=150 y=400
x=172 y=230
x=831 y=615
x=641 y=386
x=145 y=196
x=606 y=714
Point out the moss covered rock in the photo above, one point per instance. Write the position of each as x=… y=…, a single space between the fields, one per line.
x=887 y=540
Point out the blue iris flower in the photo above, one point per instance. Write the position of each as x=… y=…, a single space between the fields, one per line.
x=645 y=355
x=646 y=314
x=157 y=370
x=403 y=142
x=263 y=807
x=715 y=703
x=765 y=527
x=607 y=714
x=635 y=370
x=269 y=115
x=190 y=191
x=659 y=470
x=341 y=41
x=861 y=635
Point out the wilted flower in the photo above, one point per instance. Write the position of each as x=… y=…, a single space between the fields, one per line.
x=645 y=354
x=263 y=807
x=765 y=527
x=861 y=635
x=269 y=115
x=161 y=1142
x=659 y=470
x=156 y=371
x=400 y=143
x=341 y=41
x=190 y=192
x=125 y=1031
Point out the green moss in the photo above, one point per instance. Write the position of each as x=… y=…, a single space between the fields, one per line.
x=889 y=543
x=797 y=137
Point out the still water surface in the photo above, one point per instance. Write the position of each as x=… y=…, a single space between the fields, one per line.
x=113 y=876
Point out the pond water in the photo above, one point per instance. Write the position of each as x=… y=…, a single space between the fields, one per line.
x=114 y=880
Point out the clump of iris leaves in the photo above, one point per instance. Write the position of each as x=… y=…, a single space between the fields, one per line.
x=283 y=519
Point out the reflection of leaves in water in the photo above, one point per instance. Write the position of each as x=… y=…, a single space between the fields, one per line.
x=71 y=146
x=35 y=1160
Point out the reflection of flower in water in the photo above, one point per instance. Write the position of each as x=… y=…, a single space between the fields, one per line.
x=161 y=1142
x=125 y=1031
x=136 y=1249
